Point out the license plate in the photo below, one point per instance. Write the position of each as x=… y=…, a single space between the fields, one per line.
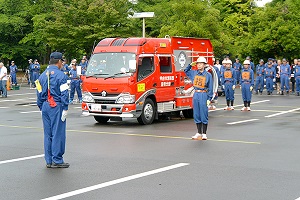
x=96 y=107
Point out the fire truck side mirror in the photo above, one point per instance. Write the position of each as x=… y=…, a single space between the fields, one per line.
x=132 y=66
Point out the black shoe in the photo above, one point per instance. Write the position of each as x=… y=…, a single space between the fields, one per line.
x=256 y=92
x=61 y=165
x=48 y=165
x=297 y=93
x=269 y=93
x=281 y=93
x=260 y=93
x=287 y=92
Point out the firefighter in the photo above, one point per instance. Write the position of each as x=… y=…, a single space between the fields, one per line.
x=237 y=67
x=35 y=71
x=75 y=84
x=297 y=77
x=52 y=100
x=83 y=64
x=259 y=82
x=247 y=83
x=203 y=93
x=293 y=80
x=269 y=77
x=13 y=73
x=285 y=73
x=228 y=82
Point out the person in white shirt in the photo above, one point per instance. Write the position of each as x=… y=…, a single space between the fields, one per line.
x=3 y=79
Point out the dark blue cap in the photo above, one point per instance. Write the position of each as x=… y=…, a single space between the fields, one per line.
x=270 y=58
x=56 y=55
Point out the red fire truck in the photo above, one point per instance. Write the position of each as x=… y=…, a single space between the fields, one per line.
x=141 y=78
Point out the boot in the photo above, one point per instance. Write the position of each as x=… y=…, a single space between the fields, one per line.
x=298 y=94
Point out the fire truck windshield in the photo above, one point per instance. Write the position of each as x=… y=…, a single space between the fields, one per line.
x=111 y=64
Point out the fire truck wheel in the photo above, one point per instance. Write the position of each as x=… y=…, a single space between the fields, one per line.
x=148 y=113
x=188 y=113
x=101 y=119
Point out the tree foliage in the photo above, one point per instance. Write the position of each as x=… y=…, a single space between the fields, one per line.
x=34 y=28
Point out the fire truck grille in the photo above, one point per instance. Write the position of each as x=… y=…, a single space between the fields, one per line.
x=104 y=101
x=107 y=95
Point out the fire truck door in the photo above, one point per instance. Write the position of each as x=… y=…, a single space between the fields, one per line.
x=166 y=82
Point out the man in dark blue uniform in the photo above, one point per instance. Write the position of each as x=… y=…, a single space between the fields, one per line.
x=75 y=84
x=35 y=71
x=247 y=83
x=13 y=72
x=260 y=72
x=228 y=82
x=203 y=85
x=52 y=100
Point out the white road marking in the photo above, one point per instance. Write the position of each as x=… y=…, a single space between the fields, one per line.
x=239 y=122
x=20 y=94
x=20 y=159
x=298 y=198
x=4 y=107
x=283 y=112
x=35 y=111
x=240 y=105
x=113 y=182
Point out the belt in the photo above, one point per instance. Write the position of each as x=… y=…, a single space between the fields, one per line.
x=75 y=78
x=201 y=91
x=228 y=81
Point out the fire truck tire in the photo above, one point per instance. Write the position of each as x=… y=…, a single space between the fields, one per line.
x=188 y=113
x=101 y=119
x=148 y=113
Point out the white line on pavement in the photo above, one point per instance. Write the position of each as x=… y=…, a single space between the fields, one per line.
x=113 y=182
x=240 y=105
x=20 y=159
x=30 y=112
x=3 y=107
x=239 y=122
x=283 y=112
x=20 y=94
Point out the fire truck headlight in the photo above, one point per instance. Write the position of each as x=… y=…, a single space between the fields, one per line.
x=127 y=98
x=87 y=97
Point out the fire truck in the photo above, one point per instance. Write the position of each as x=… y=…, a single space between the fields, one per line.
x=141 y=78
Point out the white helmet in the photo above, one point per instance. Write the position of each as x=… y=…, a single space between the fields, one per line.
x=227 y=62
x=201 y=59
x=246 y=62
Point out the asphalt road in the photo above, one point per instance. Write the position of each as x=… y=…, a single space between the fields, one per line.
x=249 y=155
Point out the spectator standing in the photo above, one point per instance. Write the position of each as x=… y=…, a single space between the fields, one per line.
x=35 y=71
x=297 y=77
x=293 y=80
x=285 y=73
x=13 y=73
x=259 y=82
x=3 y=80
x=75 y=84
x=278 y=76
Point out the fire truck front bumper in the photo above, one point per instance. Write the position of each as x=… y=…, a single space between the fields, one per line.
x=110 y=110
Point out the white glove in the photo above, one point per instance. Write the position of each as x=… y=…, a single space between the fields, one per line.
x=64 y=115
x=274 y=80
x=233 y=87
x=223 y=86
x=251 y=88
x=208 y=102
x=265 y=80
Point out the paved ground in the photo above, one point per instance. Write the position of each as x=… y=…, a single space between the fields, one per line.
x=254 y=159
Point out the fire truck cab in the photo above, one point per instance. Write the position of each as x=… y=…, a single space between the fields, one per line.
x=141 y=77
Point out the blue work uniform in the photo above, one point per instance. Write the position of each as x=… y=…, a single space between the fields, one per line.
x=54 y=127
x=237 y=67
x=259 y=82
x=35 y=72
x=219 y=79
x=203 y=86
x=227 y=81
x=13 y=72
x=247 y=80
x=252 y=65
x=83 y=67
x=297 y=77
x=75 y=84
x=285 y=73
x=270 y=75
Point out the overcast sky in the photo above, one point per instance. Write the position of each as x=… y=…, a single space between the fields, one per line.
x=261 y=3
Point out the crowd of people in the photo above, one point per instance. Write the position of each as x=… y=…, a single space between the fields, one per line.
x=73 y=70
x=273 y=74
